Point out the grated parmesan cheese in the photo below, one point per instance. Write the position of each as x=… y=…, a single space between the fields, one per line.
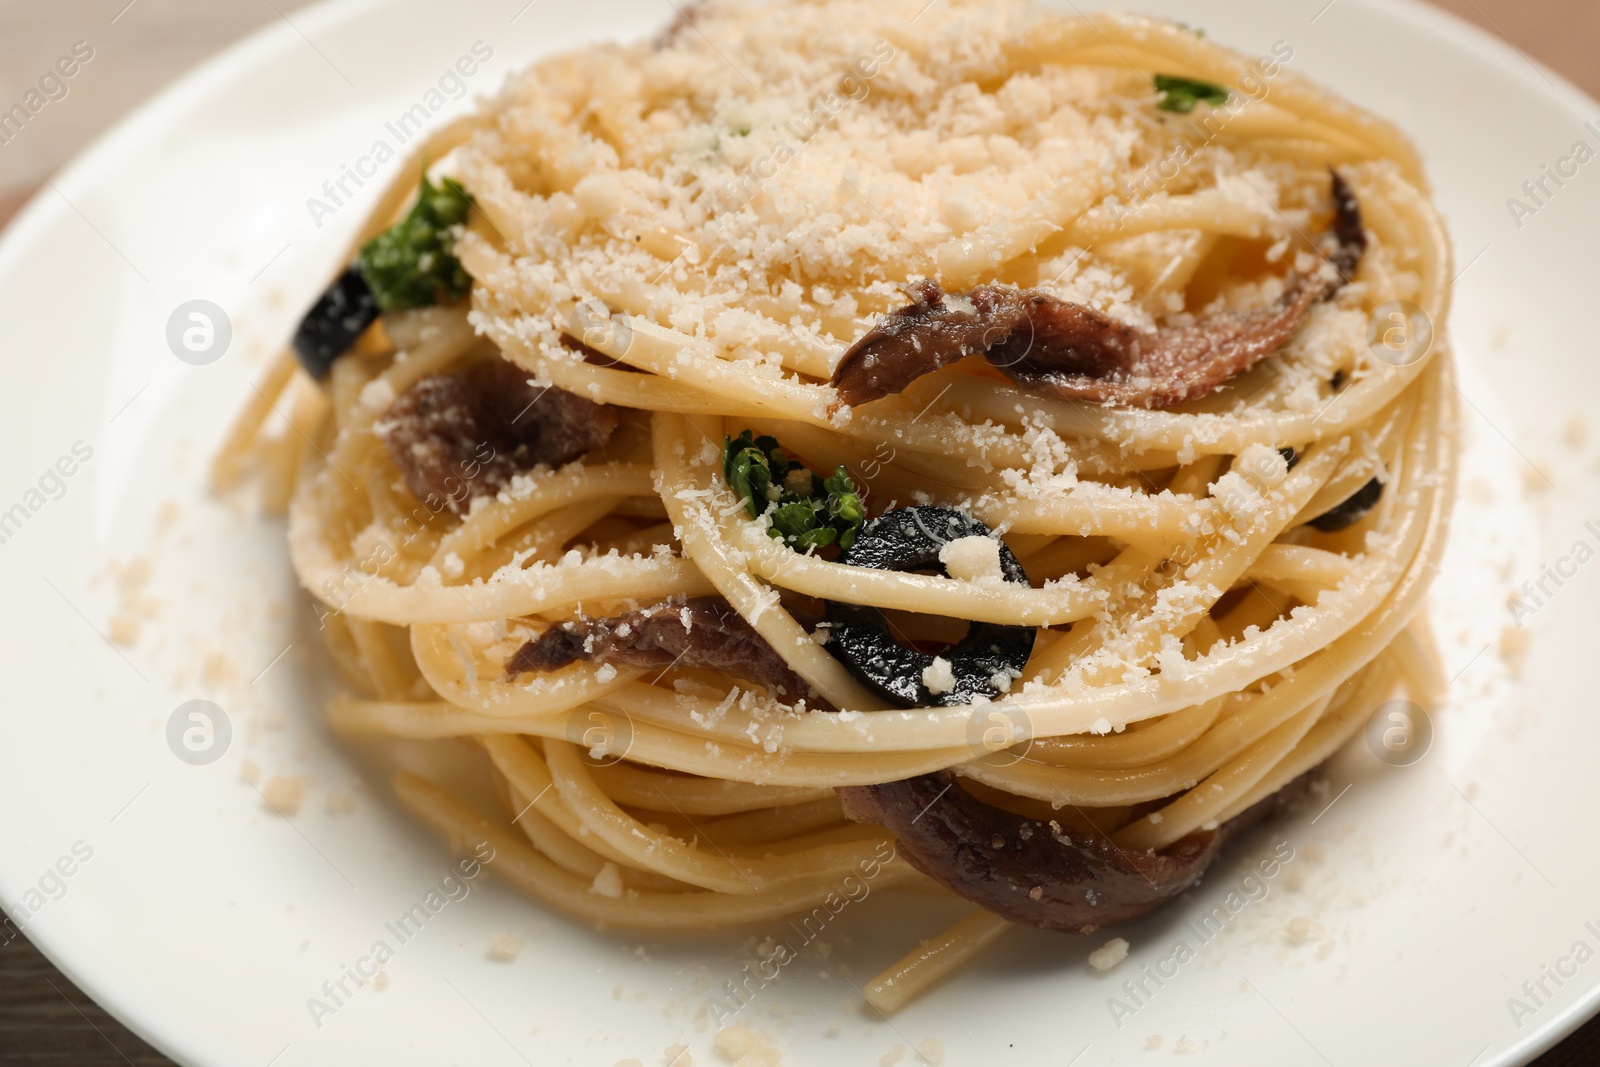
x=973 y=559
x=939 y=676
x=1109 y=955
x=283 y=795
x=742 y=1047
x=608 y=882
x=504 y=947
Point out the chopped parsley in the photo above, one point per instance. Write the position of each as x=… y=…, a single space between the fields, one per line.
x=1182 y=94
x=412 y=264
x=806 y=511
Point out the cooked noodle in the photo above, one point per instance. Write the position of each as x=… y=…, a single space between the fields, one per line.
x=1198 y=648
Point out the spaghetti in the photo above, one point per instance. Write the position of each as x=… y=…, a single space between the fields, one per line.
x=636 y=596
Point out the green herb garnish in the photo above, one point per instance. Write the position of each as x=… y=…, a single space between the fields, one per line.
x=1182 y=94
x=806 y=511
x=412 y=264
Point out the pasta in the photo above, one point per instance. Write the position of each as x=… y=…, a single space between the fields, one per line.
x=692 y=250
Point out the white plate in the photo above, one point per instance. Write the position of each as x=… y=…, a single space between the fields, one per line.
x=206 y=922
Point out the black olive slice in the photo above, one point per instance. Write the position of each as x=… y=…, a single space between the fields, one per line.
x=911 y=539
x=1351 y=511
x=332 y=325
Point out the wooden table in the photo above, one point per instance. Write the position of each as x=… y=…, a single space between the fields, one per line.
x=45 y=1019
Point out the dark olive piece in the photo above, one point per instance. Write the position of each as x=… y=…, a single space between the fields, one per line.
x=910 y=539
x=1348 y=228
x=1351 y=511
x=332 y=325
x=1290 y=456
